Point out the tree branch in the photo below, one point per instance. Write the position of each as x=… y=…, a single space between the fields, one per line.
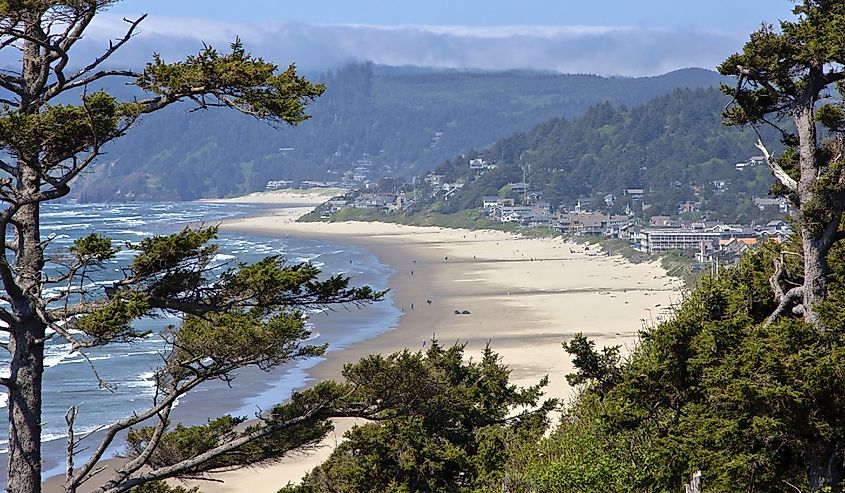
x=786 y=300
x=779 y=173
x=138 y=462
x=113 y=47
x=190 y=464
x=83 y=474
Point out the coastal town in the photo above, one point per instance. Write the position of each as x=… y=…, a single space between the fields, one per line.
x=520 y=205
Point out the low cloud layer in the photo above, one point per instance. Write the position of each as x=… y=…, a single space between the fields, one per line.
x=629 y=51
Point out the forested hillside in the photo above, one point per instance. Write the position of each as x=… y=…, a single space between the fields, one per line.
x=407 y=120
x=674 y=147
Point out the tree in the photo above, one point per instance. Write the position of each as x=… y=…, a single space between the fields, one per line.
x=444 y=424
x=788 y=74
x=600 y=369
x=791 y=73
x=246 y=315
x=714 y=388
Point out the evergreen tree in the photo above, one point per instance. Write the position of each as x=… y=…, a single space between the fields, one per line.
x=248 y=315
x=445 y=425
x=789 y=74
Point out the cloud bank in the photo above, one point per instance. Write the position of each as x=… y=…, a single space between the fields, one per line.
x=602 y=50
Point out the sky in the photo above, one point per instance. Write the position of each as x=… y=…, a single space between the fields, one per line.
x=606 y=37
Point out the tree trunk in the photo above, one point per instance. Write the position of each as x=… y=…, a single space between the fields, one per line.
x=826 y=472
x=27 y=368
x=815 y=252
x=816 y=271
x=26 y=343
x=27 y=334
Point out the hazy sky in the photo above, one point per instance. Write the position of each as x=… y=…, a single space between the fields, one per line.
x=611 y=37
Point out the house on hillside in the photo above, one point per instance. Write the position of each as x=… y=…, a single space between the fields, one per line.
x=634 y=194
x=689 y=206
x=781 y=203
x=518 y=187
x=434 y=179
x=277 y=184
x=489 y=201
x=591 y=223
x=660 y=221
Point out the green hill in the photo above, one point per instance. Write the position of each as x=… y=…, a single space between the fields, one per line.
x=406 y=120
x=674 y=147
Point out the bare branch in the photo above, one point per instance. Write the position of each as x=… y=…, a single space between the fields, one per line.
x=192 y=463
x=779 y=173
x=70 y=419
x=113 y=47
x=790 y=300
x=138 y=462
x=8 y=168
x=100 y=75
x=787 y=300
x=85 y=473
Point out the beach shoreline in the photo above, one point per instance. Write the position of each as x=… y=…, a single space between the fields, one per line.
x=509 y=286
x=524 y=297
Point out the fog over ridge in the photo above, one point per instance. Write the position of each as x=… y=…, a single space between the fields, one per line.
x=602 y=50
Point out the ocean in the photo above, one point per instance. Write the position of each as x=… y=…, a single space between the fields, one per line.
x=128 y=367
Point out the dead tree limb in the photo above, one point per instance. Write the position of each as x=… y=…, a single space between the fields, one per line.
x=787 y=300
x=694 y=486
x=779 y=173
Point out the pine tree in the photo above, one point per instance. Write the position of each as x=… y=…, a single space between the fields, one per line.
x=250 y=315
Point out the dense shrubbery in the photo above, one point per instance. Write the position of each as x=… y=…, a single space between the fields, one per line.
x=750 y=405
x=454 y=434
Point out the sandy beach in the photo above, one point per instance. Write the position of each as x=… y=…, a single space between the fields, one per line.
x=524 y=297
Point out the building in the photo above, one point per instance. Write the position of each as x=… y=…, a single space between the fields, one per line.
x=591 y=223
x=278 y=184
x=489 y=201
x=518 y=187
x=698 y=238
x=635 y=194
x=664 y=239
x=780 y=202
x=660 y=221
x=434 y=179
x=688 y=206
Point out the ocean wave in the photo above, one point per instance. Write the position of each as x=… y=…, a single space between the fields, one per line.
x=45 y=437
x=62 y=227
x=63 y=359
x=145 y=380
x=63 y=214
